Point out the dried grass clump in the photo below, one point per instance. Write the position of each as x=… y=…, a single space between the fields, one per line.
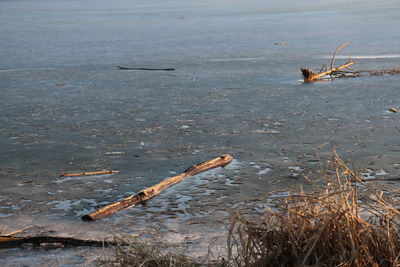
x=140 y=254
x=336 y=227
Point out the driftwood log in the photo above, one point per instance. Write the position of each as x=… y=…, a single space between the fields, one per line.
x=343 y=71
x=154 y=190
x=150 y=69
x=13 y=242
x=310 y=76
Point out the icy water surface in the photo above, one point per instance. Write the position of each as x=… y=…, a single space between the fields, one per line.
x=65 y=107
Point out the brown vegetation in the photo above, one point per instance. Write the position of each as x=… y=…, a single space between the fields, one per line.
x=336 y=227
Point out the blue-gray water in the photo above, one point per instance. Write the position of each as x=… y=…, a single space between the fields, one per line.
x=65 y=107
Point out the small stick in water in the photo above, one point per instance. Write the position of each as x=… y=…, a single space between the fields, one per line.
x=86 y=173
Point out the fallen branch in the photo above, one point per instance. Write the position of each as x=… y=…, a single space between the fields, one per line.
x=151 y=69
x=343 y=71
x=154 y=190
x=13 y=242
x=310 y=76
x=86 y=173
x=18 y=231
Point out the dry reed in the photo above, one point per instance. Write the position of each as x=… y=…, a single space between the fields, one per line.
x=337 y=227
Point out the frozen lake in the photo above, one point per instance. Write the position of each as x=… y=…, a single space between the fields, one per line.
x=65 y=108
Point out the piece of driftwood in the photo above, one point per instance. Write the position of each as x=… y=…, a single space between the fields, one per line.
x=86 y=173
x=154 y=190
x=310 y=76
x=343 y=71
x=13 y=242
x=151 y=69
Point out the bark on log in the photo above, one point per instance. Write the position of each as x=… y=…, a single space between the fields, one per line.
x=154 y=190
x=13 y=242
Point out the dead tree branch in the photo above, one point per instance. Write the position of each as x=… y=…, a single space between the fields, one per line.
x=310 y=76
x=343 y=71
x=336 y=51
x=154 y=190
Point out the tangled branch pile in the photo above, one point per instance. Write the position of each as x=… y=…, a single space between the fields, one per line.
x=338 y=227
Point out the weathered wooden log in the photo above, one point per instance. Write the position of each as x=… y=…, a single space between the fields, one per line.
x=310 y=76
x=154 y=190
x=13 y=242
